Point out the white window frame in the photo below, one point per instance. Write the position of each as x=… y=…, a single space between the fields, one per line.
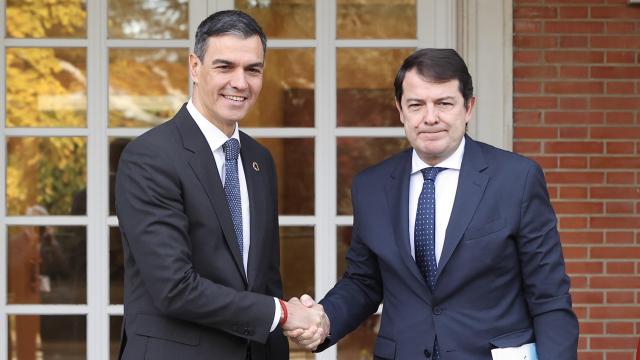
x=481 y=30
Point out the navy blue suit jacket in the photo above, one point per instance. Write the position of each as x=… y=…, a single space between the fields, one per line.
x=501 y=279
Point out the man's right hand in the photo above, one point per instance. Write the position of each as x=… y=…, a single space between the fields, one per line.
x=307 y=324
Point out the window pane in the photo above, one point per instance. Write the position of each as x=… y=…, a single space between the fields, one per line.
x=287 y=97
x=52 y=19
x=46 y=87
x=148 y=19
x=46 y=264
x=116 y=267
x=47 y=337
x=358 y=345
x=356 y=154
x=294 y=160
x=146 y=86
x=116 y=146
x=297 y=260
x=115 y=330
x=344 y=242
x=376 y=19
x=293 y=19
x=48 y=172
x=365 y=86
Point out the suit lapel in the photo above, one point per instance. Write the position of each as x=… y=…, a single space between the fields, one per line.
x=397 y=191
x=254 y=178
x=471 y=186
x=204 y=166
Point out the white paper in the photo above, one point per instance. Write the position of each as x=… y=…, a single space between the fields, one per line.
x=524 y=352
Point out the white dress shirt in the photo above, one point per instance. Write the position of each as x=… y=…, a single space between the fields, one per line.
x=216 y=138
x=446 y=184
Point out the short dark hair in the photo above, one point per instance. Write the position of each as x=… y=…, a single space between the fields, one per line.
x=437 y=65
x=227 y=22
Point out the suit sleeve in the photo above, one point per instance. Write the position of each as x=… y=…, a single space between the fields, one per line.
x=155 y=227
x=545 y=280
x=359 y=293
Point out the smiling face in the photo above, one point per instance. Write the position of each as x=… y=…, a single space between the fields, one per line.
x=434 y=116
x=229 y=79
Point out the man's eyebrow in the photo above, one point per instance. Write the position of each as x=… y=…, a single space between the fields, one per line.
x=258 y=64
x=448 y=98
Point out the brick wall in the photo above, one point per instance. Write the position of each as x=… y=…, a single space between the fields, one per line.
x=577 y=112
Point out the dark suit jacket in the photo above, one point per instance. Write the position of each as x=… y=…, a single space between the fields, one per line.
x=186 y=292
x=501 y=280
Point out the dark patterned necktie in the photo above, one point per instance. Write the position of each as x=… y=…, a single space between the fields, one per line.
x=425 y=233
x=232 y=186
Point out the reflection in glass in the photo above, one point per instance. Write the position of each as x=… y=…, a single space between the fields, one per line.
x=375 y=19
x=297 y=260
x=46 y=264
x=34 y=337
x=359 y=344
x=115 y=330
x=146 y=86
x=365 y=86
x=294 y=161
x=116 y=267
x=287 y=98
x=46 y=19
x=356 y=154
x=49 y=172
x=291 y=19
x=46 y=87
x=148 y=19
x=116 y=146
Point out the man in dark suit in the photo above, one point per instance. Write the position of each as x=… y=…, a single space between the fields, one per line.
x=197 y=206
x=457 y=238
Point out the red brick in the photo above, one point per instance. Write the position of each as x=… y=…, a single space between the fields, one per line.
x=526 y=147
x=590 y=355
x=527 y=57
x=619 y=237
x=591 y=327
x=620 y=297
x=578 y=207
x=581 y=313
x=553 y=192
x=615 y=282
x=573 y=117
x=619 y=118
x=615 y=132
x=573 y=103
x=574 y=27
x=579 y=282
x=534 y=72
x=573 y=12
x=609 y=342
x=546 y=162
x=620 y=208
x=527 y=117
x=615 y=252
x=621 y=27
x=574 y=72
x=573 y=2
x=620 y=355
x=627 y=57
x=574 y=87
x=620 y=178
x=615 y=72
x=621 y=88
x=573 y=192
x=534 y=132
x=575 y=177
x=573 y=162
x=618 y=222
x=615 y=12
x=621 y=267
x=574 y=252
x=627 y=162
x=527 y=87
x=586 y=267
x=621 y=328
x=535 y=12
x=615 y=192
x=534 y=41
x=573 y=41
x=535 y=102
x=570 y=222
x=574 y=133
x=573 y=57
x=624 y=147
x=587 y=297
x=526 y=26
x=573 y=147
x=611 y=103
x=615 y=42
x=581 y=237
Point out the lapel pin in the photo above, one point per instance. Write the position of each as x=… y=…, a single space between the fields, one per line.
x=256 y=167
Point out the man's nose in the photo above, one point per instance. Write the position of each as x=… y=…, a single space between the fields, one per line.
x=431 y=115
x=239 y=79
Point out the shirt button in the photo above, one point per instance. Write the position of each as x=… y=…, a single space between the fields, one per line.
x=427 y=353
x=437 y=311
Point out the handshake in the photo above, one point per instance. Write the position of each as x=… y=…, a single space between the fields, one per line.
x=306 y=323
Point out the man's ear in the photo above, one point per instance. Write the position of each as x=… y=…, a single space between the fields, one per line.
x=469 y=110
x=399 y=107
x=194 y=67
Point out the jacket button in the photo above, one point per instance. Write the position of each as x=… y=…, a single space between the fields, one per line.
x=437 y=311
x=246 y=331
x=427 y=353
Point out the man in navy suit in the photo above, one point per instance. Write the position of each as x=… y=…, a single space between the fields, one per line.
x=457 y=238
x=197 y=206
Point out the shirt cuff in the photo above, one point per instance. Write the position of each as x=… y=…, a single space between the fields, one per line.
x=276 y=317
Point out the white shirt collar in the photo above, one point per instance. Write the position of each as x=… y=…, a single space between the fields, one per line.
x=215 y=137
x=452 y=162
